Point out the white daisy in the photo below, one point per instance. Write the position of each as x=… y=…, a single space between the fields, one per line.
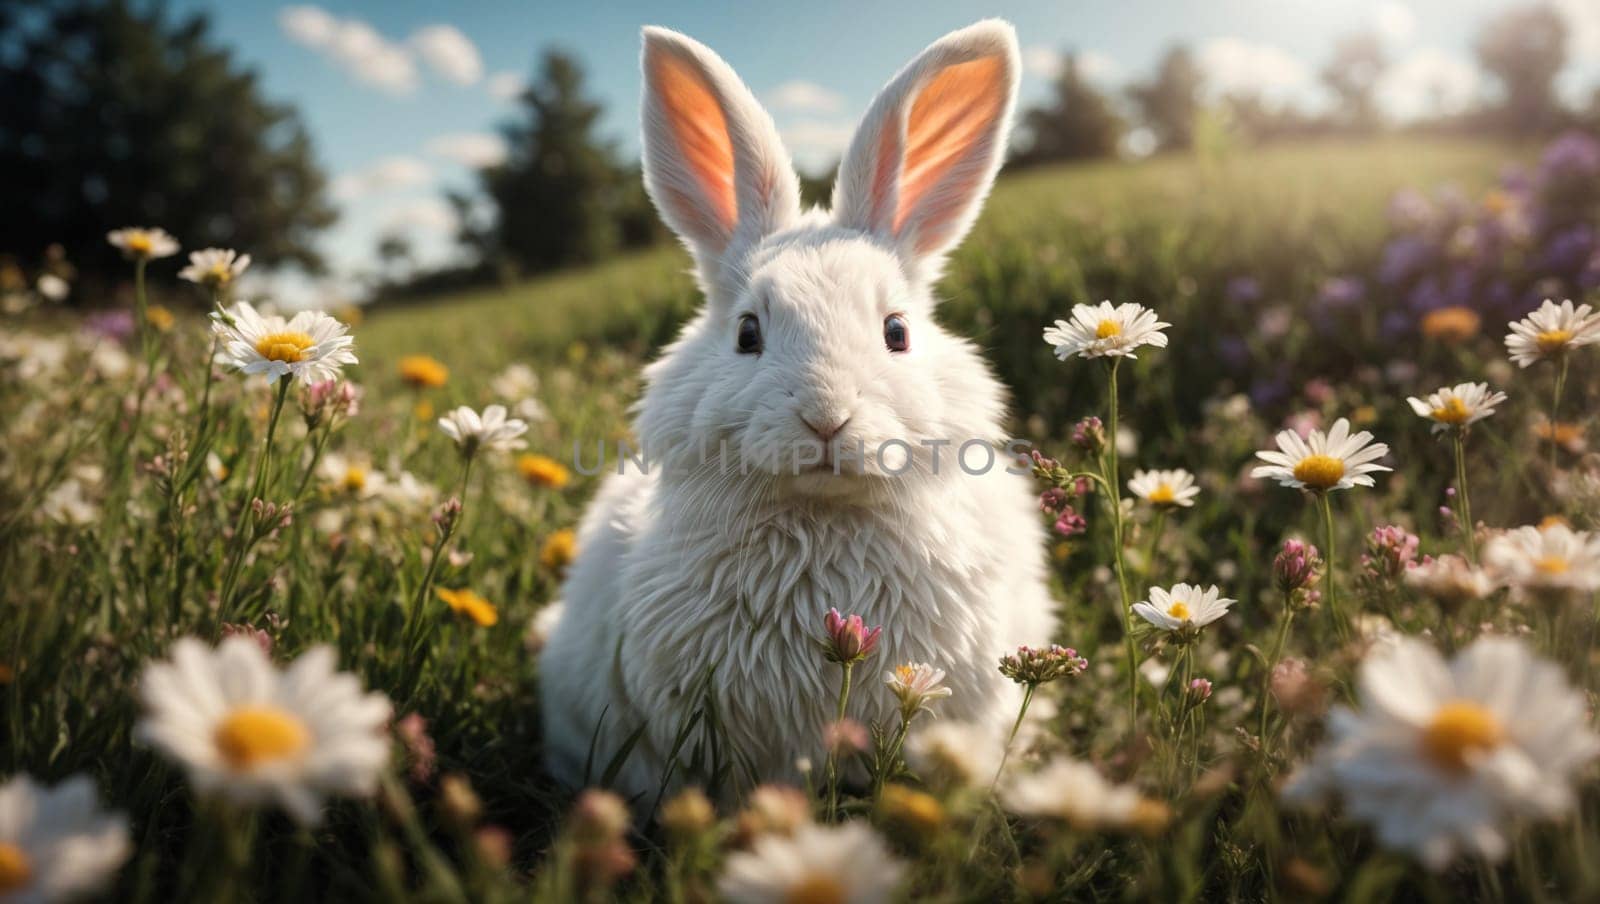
x=56 y=843
x=1184 y=606
x=915 y=685
x=846 y=863
x=67 y=504
x=216 y=268
x=1449 y=579
x=1554 y=558
x=492 y=430
x=1442 y=757
x=1551 y=331
x=350 y=477
x=1321 y=462
x=954 y=753
x=52 y=287
x=1457 y=407
x=1106 y=331
x=1168 y=489
x=1076 y=793
x=311 y=347
x=517 y=381
x=250 y=733
x=140 y=243
x=408 y=494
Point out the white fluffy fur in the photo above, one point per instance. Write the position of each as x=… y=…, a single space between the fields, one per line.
x=689 y=568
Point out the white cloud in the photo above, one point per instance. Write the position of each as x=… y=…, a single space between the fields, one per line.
x=1098 y=67
x=816 y=143
x=804 y=97
x=1394 y=22
x=388 y=174
x=1428 y=82
x=1583 y=24
x=433 y=215
x=308 y=25
x=1041 y=61
x=1045 y=63
x=1236 y=65
x=354 y=45
x=449 y=53
x=505 y=85
x=474 y=149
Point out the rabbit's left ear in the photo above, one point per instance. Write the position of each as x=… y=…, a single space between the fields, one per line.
x=927 y=152
x=712 y=159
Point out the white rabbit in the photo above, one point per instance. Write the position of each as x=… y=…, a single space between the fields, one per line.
x=696 y=569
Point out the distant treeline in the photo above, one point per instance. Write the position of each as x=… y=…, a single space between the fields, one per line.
x=116 y=112
x=564 y=197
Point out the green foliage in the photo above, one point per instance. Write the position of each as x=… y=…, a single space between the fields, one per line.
x=89 y=604
x=1525 y=47
x=115 y=115
x=1077 y=122
x=560 y=198
x=1170 y=100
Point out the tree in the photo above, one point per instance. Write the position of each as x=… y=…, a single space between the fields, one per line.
x=1079 y=121
x=1169 y=102
x=1525 y=48
x=1358 y=64
x=110 y=116
x=558 y=198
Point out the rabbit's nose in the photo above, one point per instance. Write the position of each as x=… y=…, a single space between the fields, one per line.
x=825 y=427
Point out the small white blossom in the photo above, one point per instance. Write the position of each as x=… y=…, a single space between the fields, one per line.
x=1106 y=331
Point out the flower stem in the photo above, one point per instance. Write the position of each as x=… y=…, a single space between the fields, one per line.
x=1555 y=409
x=258 y=487
x=1272 y=663
x=1328 y=581
x=1467 y=529
x=833 y=757
x=1027 y=697
x=1114 y=500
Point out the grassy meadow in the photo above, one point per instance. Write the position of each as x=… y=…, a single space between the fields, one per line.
x=128 y=468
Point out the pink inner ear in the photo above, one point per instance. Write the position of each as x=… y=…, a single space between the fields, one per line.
x=701 y=131
x=954 y=114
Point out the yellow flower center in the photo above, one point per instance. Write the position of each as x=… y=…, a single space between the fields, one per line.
x=466 y=602
x=16 y=870
x=251 y=736
x=1163 y=494
x=1458 y=729
x=904 y=673
x=220 y=273
x=543 y=471
x=1453 y=324
x=140 y=243
x=1179 y=610
x=1107 y=329
x=1553 y=340
x=817 y=889
x=559 y=549
x=159 y=317
x=1319 y=472
x=1150 y=816
x=1453 y=411
x=1552 y=565
x=423 y=372
x=290 y=348
x=355 y=479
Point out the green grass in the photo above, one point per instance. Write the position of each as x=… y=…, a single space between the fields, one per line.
x=1079 y=231
x=89 y=605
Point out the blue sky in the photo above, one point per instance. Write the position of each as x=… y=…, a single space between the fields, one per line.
x=401 y=97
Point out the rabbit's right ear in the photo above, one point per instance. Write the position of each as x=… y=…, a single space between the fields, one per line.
x=713 y=162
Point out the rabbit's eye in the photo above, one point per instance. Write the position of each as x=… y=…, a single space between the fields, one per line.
x=896 y=335
x=749 y=335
